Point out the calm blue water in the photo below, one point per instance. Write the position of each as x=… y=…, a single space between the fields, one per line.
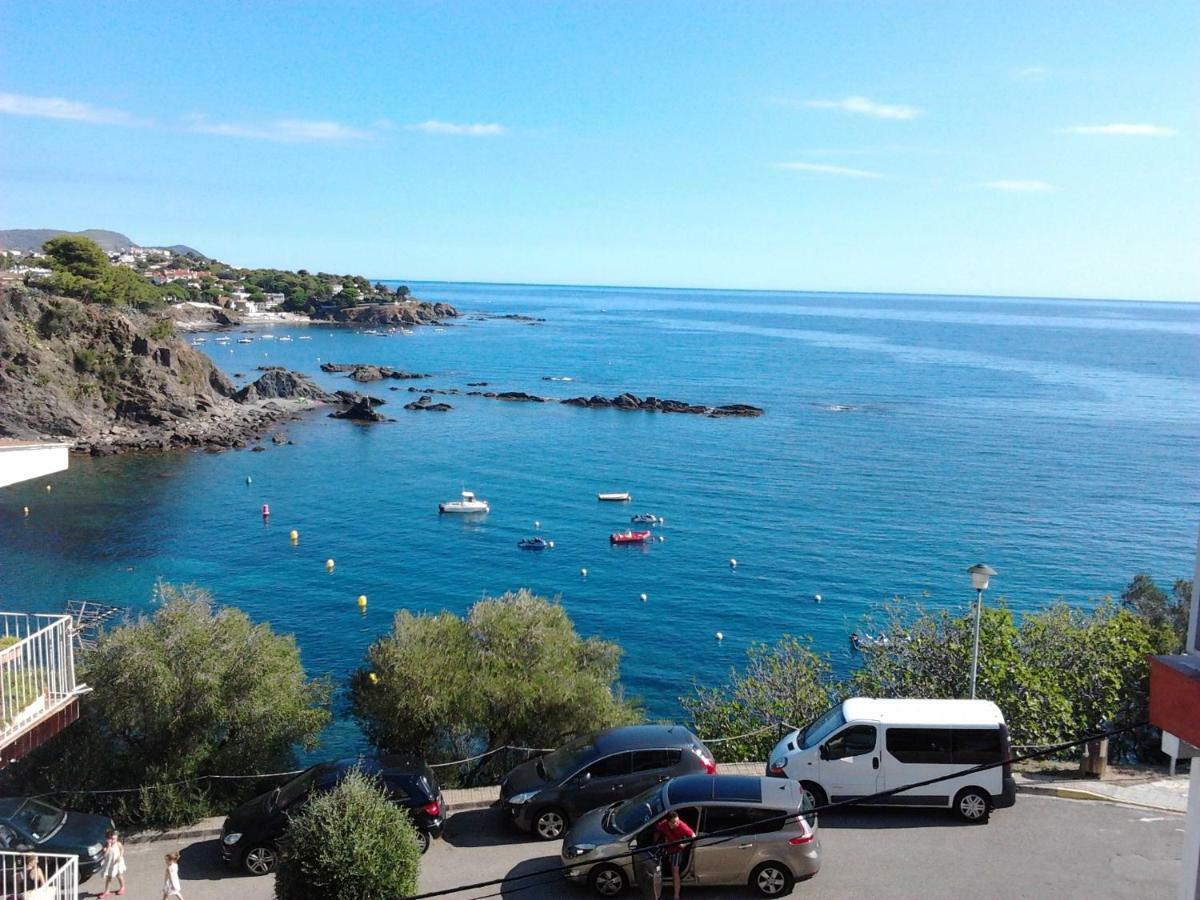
x=1055 y=440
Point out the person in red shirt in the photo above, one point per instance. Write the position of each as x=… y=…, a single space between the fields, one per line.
x=671 y=830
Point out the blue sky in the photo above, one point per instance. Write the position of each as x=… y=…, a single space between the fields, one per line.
x=1042 y=148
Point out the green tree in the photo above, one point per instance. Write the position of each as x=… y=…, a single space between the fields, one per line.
x=350 y=843
x=194 y=689
x=75 y=255
x=513 y=672
x=785 y=682
x=1165 y=614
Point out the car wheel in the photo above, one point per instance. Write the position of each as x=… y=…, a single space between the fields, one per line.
x=550 y=823
x=973 y=805
x=815 y=792
x=423 y=840
x=260 y=859
x=772 y=879
x=607 y=881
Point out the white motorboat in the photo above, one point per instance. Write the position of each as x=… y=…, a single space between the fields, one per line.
x=199 y=340
x=305 y=337
x=267 y=337
x=245 y=340
x=616 y=497
x=468 y=504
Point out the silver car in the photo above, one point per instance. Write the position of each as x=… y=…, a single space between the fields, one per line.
x=750 y=830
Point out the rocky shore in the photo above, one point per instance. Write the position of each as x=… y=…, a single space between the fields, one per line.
x=633 y=403
x=401 y=313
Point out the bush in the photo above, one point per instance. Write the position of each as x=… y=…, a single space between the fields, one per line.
x=350 y=843
x=513 y=672
x=192 y=690
x=162 y=329
x=784 y=682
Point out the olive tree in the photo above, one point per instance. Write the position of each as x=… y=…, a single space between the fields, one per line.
x=513 y=672
x=350 y=843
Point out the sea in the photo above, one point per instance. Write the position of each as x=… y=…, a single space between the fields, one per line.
x=904 y=439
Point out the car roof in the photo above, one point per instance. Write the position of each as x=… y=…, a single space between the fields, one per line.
x=392 y=764
x=637 y=737
x=729 y=788
x=923 y=712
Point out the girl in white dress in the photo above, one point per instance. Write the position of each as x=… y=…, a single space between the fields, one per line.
x=171 y=886
x=114 y=863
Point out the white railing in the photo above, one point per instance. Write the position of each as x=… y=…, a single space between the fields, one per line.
x=39 y=876
x=37 y=670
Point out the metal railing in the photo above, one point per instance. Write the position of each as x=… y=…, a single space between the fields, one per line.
x=39 y=876
x=37 y=669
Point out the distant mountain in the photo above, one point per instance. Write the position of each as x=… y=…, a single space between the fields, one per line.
x=109 y=241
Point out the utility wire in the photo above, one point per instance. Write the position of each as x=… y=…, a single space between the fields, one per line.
x=783 y=819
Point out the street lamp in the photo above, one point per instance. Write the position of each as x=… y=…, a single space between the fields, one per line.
x=980 y=573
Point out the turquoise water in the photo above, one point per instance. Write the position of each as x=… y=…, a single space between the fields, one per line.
x=1054 y=439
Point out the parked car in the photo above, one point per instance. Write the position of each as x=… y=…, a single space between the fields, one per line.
x=250 y=836
x=546 y=794
x=29 y=824
x=864 y=745
x=749 y=830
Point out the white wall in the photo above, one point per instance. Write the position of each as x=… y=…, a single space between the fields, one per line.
x=24 y=461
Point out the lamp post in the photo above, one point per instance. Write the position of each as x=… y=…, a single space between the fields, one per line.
x=980 y=573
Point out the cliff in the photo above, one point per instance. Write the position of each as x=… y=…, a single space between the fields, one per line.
x=112 y=379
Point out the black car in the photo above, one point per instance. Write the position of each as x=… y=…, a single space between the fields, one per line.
x=250 y=836
x=545 y=794
x=29 y=824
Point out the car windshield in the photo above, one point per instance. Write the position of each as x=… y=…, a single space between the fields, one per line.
x=828 y=723
x=631 y=815
x=566 y=759
x=37 y=819
x=297 y=787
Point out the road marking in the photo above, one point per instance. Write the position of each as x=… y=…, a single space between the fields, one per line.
x=1153 y=819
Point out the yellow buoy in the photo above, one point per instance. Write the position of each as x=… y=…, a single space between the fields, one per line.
x=27 y=510
x=329 y=565
x=374 y=678
x=294 y=535
x=362 y=601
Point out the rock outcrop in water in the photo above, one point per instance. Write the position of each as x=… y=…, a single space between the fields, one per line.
x=361 y=410
x=633 y=403
x=404 y=313
x=367 y=372
x=424 y=404
x=114 y=379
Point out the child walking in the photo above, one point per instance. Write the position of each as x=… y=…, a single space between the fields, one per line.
x=114 y=863
x=171 y=887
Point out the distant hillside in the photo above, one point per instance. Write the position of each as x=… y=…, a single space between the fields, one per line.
x=109 y=241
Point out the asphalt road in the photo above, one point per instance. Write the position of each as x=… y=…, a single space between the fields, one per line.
x=1042 y=847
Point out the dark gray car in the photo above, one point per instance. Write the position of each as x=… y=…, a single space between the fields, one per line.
x=546 y=794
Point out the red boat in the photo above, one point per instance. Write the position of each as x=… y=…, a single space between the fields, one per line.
x=629 y=537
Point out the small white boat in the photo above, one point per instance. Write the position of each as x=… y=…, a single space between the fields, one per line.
x=621 y=497
x=286 y=337
x=468 y=504
x=245 y=340
x=267 y=337
x=306 y=337
x=200 y=340
x=406 y=331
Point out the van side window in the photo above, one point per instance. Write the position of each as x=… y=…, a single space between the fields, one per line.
x=976 y=746
x=853 y=741
x=924 y=746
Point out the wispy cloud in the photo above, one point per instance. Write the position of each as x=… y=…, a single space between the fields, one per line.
x=288 y=131
x=59 y=108
x=1121 y=128
x=862 y=106
x=1019 y=186
x=823 y=169
x=435 y=126
x=1031 y=73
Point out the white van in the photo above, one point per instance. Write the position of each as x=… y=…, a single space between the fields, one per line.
x=864 y=746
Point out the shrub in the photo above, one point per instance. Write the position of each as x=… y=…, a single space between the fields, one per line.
x=350 y=843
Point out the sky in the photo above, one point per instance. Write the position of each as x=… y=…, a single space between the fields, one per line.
x=1005 y=148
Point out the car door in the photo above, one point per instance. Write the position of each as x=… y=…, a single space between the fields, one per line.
x=849 y=764
x=725 y=849
x=603 y=782
x=651 y=767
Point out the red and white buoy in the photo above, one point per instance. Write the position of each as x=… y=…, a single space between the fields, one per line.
x=266 y=511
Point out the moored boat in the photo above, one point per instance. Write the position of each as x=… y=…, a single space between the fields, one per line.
x=533 y=543
x=245 y=340
x=645 y=519
x=629 y=537
x=615 y=497
x=468 y=504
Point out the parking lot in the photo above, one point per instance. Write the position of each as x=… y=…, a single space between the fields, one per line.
x=1042 y=847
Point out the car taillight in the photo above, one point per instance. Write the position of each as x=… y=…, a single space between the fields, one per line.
x=801 y=839
x=710 y=766
x=433 y=808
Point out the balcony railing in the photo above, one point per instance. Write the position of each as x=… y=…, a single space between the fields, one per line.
x=37 y=671
x=39 y=876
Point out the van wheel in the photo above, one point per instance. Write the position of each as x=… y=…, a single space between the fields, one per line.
x=973 y=805
x=260 y=859
x=550 y=823
x=607 y=881
x=815 y=793
x=772 y=879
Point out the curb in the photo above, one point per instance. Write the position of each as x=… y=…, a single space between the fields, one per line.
x=1079 y=794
